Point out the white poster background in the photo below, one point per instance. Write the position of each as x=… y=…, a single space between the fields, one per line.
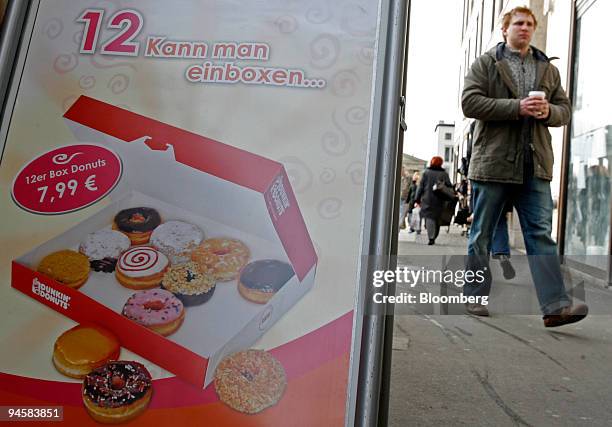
x=320 y=135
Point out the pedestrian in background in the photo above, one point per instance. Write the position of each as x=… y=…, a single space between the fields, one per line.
x=512 y=159
x=403 y=206
x=410 y=198
x=430 y=202
x=500 y=244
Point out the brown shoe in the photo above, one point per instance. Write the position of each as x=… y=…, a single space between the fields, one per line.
x=566 y=315
x=477 y=309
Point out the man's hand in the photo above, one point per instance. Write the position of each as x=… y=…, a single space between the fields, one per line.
x=535 y=107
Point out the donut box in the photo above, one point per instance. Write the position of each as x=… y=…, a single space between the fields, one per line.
x=225 y=192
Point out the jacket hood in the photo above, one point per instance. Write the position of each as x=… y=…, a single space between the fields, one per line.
x=496 y=52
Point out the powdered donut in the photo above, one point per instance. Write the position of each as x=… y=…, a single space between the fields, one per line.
x=250 y=381
x=156 y=309
x=141 y=267
x=103 y=248
x=177 y=239
x=224 y=257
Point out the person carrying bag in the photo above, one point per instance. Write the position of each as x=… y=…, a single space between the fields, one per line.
x=432 y=195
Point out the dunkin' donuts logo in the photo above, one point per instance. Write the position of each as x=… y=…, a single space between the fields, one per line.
x=50 y=294
x=265 y=317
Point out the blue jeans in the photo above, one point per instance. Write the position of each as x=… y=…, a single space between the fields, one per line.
x=501 y=242
x=533 y=203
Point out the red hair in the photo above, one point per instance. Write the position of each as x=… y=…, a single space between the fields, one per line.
x=436 y=161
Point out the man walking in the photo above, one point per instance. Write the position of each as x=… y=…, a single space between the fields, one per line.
x=512 y=159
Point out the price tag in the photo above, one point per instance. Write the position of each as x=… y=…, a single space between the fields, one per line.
x=67 y=179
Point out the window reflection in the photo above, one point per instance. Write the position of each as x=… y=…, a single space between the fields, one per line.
x=588 y=202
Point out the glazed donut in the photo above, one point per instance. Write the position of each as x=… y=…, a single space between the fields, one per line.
x=68 y=267
x=156 y=309
x=137 y=223
x=224 y=257
x=176 y=239
x=260 y=280
x=103 y=248
x=141 y=267
x=192 y=284
x=250 y=381
x=80 y=350
x=117 y=392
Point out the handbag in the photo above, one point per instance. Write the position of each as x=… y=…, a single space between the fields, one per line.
x=462 y=215
x=448 y=211
x=415 y=219
x=443 y=191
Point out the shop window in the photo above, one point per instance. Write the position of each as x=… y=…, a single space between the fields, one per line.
x=587 y=232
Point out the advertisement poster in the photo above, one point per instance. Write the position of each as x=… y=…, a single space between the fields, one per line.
x=181 y=201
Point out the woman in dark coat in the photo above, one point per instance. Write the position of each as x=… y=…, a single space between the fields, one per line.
x=431 y=204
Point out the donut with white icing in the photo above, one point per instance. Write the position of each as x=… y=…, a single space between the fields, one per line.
x=141 y=267
x=103 y=248
x=176 y=239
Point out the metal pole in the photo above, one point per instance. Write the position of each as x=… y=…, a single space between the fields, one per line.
x=385 y=385
x=373 y=332
x=567 y=142
x=10 y=35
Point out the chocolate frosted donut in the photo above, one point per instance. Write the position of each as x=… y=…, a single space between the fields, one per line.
x=118 y=383
x=137 y=223
x=117 y=392
x=260 y=280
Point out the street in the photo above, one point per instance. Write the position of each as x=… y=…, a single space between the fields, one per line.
x=504 y=370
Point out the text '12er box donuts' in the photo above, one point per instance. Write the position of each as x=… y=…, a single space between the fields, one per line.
x=201 y=249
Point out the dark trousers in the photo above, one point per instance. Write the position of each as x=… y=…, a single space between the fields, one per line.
x=433 y=228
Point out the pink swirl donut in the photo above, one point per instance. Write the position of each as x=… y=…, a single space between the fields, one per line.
x=156 y=309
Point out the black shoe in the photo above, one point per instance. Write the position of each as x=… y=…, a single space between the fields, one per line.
x=477 y=309
x=432 y=242
x=508 y=270
x=566 y=315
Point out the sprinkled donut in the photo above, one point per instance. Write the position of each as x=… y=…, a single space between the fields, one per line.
x=117 y=392
x=103 y=248
x=141 y=267
x=250 y=381
x=156 y=309
x=137 y=223
x=224 y=257
x=177 y=239
x=191 y=283
x=260 y=280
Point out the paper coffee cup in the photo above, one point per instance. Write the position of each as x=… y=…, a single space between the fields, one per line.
x=537 y=94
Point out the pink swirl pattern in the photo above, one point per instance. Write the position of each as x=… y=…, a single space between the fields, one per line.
x=142 y=261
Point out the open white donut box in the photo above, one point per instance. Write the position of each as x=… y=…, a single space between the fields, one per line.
x=226 y=191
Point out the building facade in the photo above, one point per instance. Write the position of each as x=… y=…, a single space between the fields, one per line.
x=445 y=134
x=571 y=32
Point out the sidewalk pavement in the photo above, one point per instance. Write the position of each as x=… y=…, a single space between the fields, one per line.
x=504 y=370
